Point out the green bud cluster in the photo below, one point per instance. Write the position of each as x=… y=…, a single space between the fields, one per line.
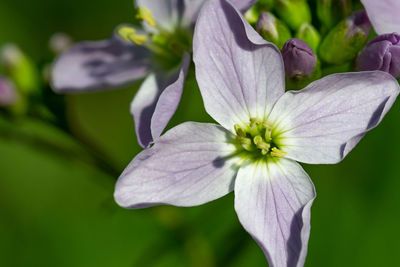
x=273 y=29
x=346 y=39
x=310 y=35
x=257 y=138
x=331 y=12
x=334 y=29
x=294 y=12
x=255 y=11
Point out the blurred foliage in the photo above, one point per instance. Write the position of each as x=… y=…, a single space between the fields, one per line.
x=57 y=208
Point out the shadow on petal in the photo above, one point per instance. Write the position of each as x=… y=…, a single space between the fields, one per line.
x=294 y=243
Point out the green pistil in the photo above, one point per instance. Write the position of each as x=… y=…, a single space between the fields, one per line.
x=257 y=139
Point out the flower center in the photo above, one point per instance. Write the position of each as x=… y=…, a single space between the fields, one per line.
x=166 y=46
x=169 y=47
x=258 y=138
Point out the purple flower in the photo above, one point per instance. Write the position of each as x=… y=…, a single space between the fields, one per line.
x=262 y=132
x=8 y=93
x=157 y=51
x=384 y=15
x=299 y=59
x=381 y=53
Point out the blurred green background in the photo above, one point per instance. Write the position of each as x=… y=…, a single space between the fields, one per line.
x=57 y=209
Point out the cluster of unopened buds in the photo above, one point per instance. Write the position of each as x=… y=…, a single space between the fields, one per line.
x=343 y=43
x=345 y=58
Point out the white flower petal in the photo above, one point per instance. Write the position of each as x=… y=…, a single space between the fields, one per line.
x=169 y=99
x=383 y=14
x=273 y=202
x=156 y=102
x=239 y=74
x=142 y=108
x=189 y=165
x=323 y=122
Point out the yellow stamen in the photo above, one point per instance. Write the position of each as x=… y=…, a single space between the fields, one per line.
x=246 y=143
x=129 y=34
x=239 y=131
x=259 y=142
x=268 y=132
x=145 y=14
x=275 y=152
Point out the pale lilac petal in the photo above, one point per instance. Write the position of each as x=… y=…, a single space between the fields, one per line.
x=89 y=66
x=384 y=15
x=156 y=102
x=323 y=122
x=243 y=5
x=168 y=101
x=239 y=74
x=189 y=165
x=167 y=13
x=192 y=9
x=273 y=202
x=142 y=108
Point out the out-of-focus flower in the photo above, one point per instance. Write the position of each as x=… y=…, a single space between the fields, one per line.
x=384 y=15
x=293 y=12
x=345 y=40
x=20 y=68
x=330 y=12
x=381 y=53
x=8 y=93
x=158 y=51
x=272 y=29
x=262 y=132
x=60 y=42
x=298 y=58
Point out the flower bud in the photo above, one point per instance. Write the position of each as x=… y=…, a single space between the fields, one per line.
x=60 y=42
x=330 y=12
x=8 y=93
x=381 y=53
x=251 y=15
x=293 y=12
x=310 y=35
x=254 y=12
x=11 y=55
x=272 y=29
x=19 y=68
x=346 y=39
x=299 y=58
